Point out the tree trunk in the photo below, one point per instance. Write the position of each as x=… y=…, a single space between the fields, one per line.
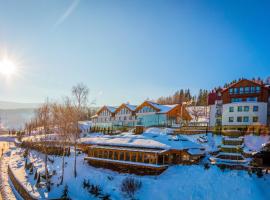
x=75 y=160
x=46 y=169
x=63 y=166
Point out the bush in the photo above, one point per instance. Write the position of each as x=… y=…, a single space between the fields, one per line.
x=25 y=153
x=31 y=169
x=259 y=173
x=86 y=184
x=222 y=167
x=95 y=190
x=38 y=180
x=106 y=197
x=65 y=192
x=36 y=175
x=206 y=166
x=130 y=186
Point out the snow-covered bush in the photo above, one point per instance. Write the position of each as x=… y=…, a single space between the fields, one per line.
x=106 y=197
x=36 y=175
x=130 y=186
x=86 y=184
x=206 y=166
x=65 y=192
x=259 y=173
x=95 y=190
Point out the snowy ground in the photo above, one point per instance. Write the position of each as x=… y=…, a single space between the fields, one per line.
x=178 y=182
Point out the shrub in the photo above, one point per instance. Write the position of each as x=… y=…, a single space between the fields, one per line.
x=65 y=192
x=36 y=175
x=38 y=180
x=222 y=167
x=106 y=197
x=31 y=170
x=259 y=173
x=86 y=184
x=206 y=166
x=25 y=164
x=25 y=153
x=95 y=190
x=130 y=186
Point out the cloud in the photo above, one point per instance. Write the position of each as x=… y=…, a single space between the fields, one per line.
x=68 y=12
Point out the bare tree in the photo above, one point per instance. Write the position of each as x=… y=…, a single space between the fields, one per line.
x=43 y=118
x=80 y=94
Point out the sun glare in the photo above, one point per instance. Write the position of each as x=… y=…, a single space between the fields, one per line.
x=7 y=67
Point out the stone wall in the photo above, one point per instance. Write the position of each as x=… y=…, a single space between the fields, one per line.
x=19 y=188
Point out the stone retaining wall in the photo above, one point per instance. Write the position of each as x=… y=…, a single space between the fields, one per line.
x=19 y=188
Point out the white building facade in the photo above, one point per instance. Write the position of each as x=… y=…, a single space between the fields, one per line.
x=244 y=114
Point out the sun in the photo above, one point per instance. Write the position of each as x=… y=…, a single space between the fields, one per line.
x=7 y=67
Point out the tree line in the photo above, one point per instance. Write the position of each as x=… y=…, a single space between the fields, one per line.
x=182 y=95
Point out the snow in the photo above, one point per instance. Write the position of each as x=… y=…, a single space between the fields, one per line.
x=202 y=113
x=124 y=140
x=7 y=138
x=16 y=165
x=153 y=138
x=177 y=182
x=229 y=154
x=232 y=146
x=111 y=108
x=255 y=143
x=85 y=125
x=162 y=108
x=187 y=182
x=131 y=107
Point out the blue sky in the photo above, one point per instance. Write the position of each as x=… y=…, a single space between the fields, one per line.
x=131 y=50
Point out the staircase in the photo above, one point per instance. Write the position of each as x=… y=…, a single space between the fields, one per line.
x=231 y=150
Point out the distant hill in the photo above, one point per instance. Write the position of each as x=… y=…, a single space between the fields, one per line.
x=13 y=115
x=15 y=118
x=7 y=105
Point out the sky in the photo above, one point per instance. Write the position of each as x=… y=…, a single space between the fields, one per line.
x=130 y=50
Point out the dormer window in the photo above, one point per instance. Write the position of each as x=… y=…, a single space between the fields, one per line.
x=241 y=90
x=258 y=89
x=246 y=89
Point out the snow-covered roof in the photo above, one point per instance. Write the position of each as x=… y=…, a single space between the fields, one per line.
x=85 y=125
x=162 y=108
x=125 y=141
x=153 y=140
x=111 y=108
x=131 y=107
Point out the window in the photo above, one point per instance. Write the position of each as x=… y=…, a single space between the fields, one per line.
x=246 y=119
x=255 y=108
x=239 y=119
x=230 y=119
x=246 y=108
x=252 y=99
x=241 y=90
x=246 y=89
x=252 y=89
x=239 y=108
x=231 y=90
x=255 y=119
x=236 y=90
x=231 y=109
x=258 y=89
x=236 y=100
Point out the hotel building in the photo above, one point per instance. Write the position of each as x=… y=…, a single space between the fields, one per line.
x=242 y=105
